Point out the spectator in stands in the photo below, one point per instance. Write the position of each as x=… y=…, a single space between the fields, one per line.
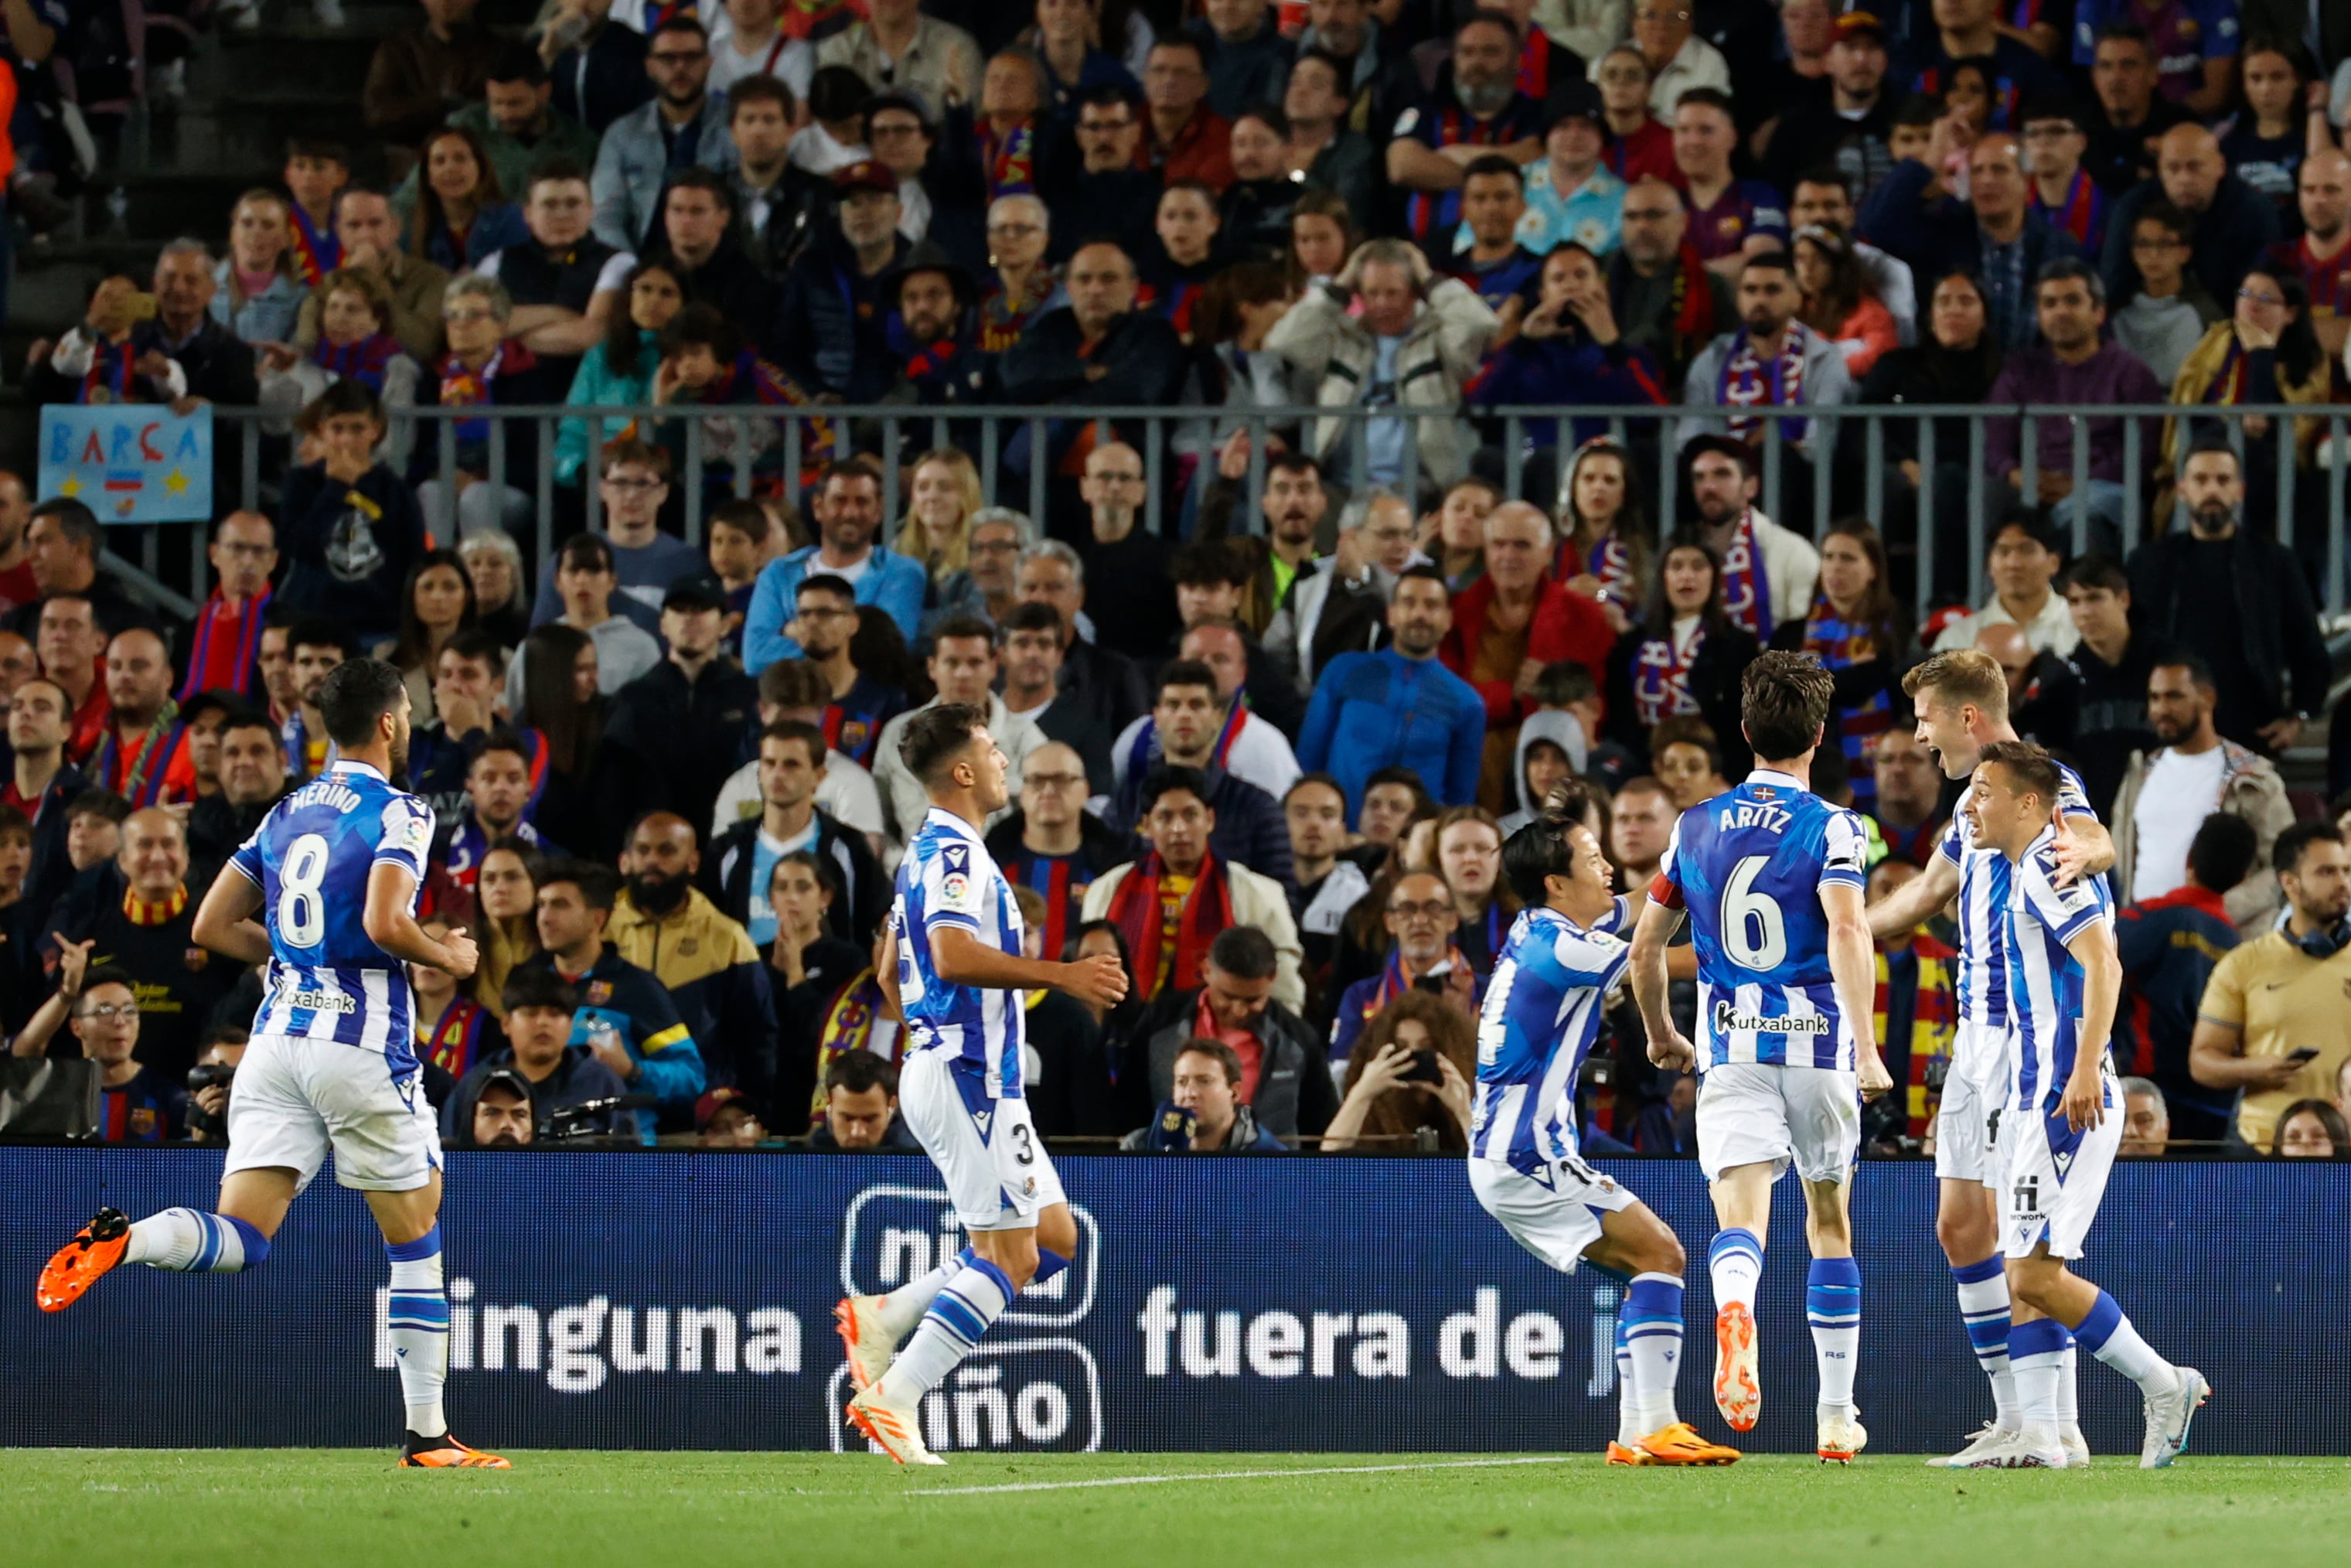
x=773 y=202
x=626 y=1018
x=1052 y=843
x=2265 y=353
x=667 y=927
x=256 y=288
x=253 y=778
x=2130 y=115
x=62 y=542
x=1238 y=998
x=315 y=173
x=98 y=1004
x=316 y=645
x=496 y=808
x=2078 y=366
x=743 y=858
x=1640 y=825
x=2169 y=945
x=1774 y=360
x=2310 y=1129
x=1824 y=195
x=1687 y=760
x=2165 y=794
x=1247 y=57
x=1955 y=364
x=1485 y=252
x=896 y=48
x=2196 y=57
x=1731 y=220
x=963 y=667
x=1468 y=855
x=1331 y=876
x=1171 y=904
x=848 y=511
x=1685 y=658
x=2280 y=992
x=1859 y=631
x=1837 y=303
x=1374 y=710
x=2321 y=257
x=453 y=1030
x=633 y=486
x=484 y=367
x=2236 y=598
x=1296 y=508
x=2045 y=699
x=699 y=238
x=417 y=79
x=519 y=128
x=1566 y=348
x=1571 y=195
x=748 y=38
x=2147 y=1120
x=794 y=689
x=1661 y=293
x=2055 y=139
x=178 y=353
x=436 y=603
x=1768 y=572
x=143 y=755
x=619 y=368
x=859 y=704
x=1993 y=234
x=2270 y=136
x=1850 y=125
x=1103 y=688
x=1915 y=1019
x=1186 y=140
x=1475 y=107
x=686 y=719
x=223 y=652
x=1339 y=608
x=42 y=784
x=1029 y=646
x=1189 y=719
x=823 y=986
x=1420 y=916
x=1126 y=564
x=2024 y=558
x=1107 y=181
x=1968 y=30
x=861 y=1108
x=367 y=233
x=585 y=572
x=1204 y=1114
x=1638 y=143
x=350 y=526
x=1675 y=57
x=2112 y=666
x=943 y=494
x=829 y=329
x=454 y=211
x=1097 y=350
x=2164 y=317
x=743 y=539
x=94 y=821
x=2235 y=224
x=556 y=1071
x=642 y=147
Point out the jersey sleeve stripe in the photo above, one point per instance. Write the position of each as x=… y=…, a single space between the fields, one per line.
x=664 y=1040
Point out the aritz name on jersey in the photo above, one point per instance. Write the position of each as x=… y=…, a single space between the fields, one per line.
x=327 y=791
x=1728 y=1018
x=1753 y=814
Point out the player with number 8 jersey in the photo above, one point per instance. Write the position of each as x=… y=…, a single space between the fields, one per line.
x=1771 y=876
x=324 y=894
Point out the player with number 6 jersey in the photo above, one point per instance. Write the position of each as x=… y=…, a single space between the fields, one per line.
x=952 y=965
x=1771 y=876
x=324 y=894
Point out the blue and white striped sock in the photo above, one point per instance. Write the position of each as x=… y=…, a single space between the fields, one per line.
x=1832 y=1301
x=2035 y=1353
x=953 y=1326
x=902 y=1310
x=1983 y=1307
x=1735 y=1264
x=188 y=1241
x=2110 y=1338
x=1651 y=1322
x=419 y=1326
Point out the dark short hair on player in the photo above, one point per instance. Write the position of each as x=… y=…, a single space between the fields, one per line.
x=1224 y=1055
x=318 y=632
x=2032 y=769
x=355 y=694
x=2285 y=855
x=936 y=738
x=2221 y=855
x=860 y=1073
x=1538 y=851
x=538 y=987
x=1243 y=952
x=1167 y=779
x=598 y=885
x=810 y=738
x=1186 y=672
x=1783 y=702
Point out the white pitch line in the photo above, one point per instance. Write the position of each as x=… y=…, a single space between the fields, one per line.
x=1232 y=1476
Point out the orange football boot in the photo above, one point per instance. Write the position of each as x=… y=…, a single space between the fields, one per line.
x=1679 y=1444
x=76 y=1265
x=446 y=1453
x=1737 y=1389
x=1618 y=1453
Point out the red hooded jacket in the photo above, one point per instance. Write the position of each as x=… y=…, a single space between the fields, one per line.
x=1564 y=626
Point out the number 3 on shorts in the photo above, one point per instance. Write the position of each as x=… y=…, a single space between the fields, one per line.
x=1740 y=904
x=301 y=913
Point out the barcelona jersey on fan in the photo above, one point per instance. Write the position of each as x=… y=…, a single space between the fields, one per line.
x=311 y=856
x=1749 y=866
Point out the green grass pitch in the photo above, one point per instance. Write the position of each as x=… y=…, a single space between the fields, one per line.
x=345 y=1508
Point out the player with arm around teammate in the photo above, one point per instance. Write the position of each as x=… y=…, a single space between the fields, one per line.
x=1960 y=702
x=2061 y=1121
x=951 y=967
x=325 y=893
x=1542 y=1010
x=1771 y=876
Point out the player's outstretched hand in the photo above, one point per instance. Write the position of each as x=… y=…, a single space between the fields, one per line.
x=1672 y=1050
x=2085 y=1103
x=2073 y=852
x=462 y=955
x=1873 y=1077
x=1099 y=981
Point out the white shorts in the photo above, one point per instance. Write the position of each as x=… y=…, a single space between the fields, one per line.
x=1554 y=1219
x=2055 y=1178
x=997 y=1173
x=1963 y=1127
x=295 y=1098
x=1752 y=1113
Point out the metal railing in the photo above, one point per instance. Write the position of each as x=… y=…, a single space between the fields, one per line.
x=1005 y=441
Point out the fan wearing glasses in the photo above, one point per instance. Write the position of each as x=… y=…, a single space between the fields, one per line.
x=99 y=1005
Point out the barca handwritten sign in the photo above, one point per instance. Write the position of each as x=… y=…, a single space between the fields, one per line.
x=130 y=461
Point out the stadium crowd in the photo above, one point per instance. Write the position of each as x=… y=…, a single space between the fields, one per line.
x=1267 y=754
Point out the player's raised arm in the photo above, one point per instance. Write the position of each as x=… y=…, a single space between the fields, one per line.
x=1913 y=903
x=391 y=925
x=226 y=921
x=2093 y=947
x=1852 y=970
x=961 y=958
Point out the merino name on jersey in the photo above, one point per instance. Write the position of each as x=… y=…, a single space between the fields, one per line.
x=311 y=857
x=1749 y=866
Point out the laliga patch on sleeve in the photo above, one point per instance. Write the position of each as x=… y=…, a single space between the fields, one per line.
x=408 y=829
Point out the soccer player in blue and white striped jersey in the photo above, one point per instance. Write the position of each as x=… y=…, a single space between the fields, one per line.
x=952 y=965
x=1960 y=702
x=325 y=894
x=1772 y=877
x=1541 y=1011
x=2061 y=1119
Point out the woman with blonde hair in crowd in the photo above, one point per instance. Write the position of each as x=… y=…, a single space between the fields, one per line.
x=942 y=492
x=1604 y=543
x=257 y=293
x=1409 y=1073
x=1454 y=535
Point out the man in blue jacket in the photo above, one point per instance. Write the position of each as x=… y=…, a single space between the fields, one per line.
x=1399 y=707
x=847 y=509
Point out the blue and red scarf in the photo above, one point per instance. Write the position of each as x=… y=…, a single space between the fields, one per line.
x=849 y=1026
x=1747 y=381
x=752 y=379
x=364 y=362
x=462 y=388
x=1002 y=317
x=1611 y=561
x=223 y=660
x=1746 y=590
x=2082 y=214
x=454 y=1043
x=1061 y=881
x=2228 y=384
x=1661 y=677
x=1008 y=162
x=156 y=772
x=316 y=253
x=1840 y=644
x=108 y=377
